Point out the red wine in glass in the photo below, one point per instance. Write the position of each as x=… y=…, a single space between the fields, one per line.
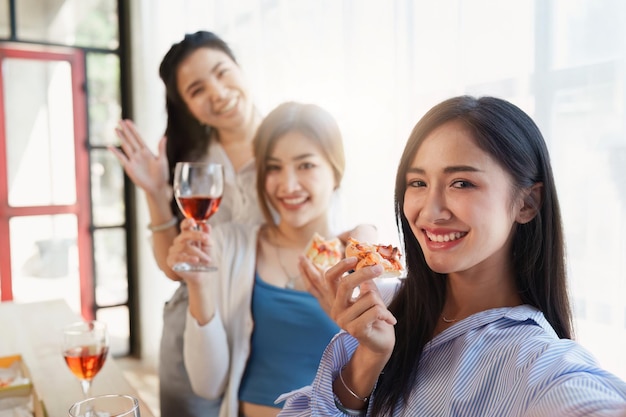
x=200 y=207
x=198 y=189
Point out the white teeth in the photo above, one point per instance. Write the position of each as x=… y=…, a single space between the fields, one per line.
x=229 y=106
x=294 y=201
x=445 y=238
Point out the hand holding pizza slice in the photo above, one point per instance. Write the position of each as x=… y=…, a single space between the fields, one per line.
x=367 y=254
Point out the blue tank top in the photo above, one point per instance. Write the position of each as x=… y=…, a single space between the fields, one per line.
x=290 y=334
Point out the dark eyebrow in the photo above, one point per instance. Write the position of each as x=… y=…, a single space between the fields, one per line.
x=191 y=86
x=217 y=66
x=447 y=170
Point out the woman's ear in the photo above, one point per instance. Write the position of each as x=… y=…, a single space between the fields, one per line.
x=532 y=202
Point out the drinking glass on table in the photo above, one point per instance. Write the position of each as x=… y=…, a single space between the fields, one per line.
x=112 y=405
x=198 y=189
x=85 y=348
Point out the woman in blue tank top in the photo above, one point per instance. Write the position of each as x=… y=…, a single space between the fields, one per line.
x=253 y=330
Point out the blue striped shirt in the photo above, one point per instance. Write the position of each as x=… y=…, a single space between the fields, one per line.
x=499 y=362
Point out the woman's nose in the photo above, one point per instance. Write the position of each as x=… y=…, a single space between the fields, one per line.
x=435 y=208
x=290 y=180
x=217 y=90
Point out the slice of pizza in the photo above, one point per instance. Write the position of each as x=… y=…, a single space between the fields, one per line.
x=324 y=253
x=367 y=254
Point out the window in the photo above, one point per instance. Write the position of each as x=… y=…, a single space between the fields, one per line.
x=62 y=199
x=378 y=65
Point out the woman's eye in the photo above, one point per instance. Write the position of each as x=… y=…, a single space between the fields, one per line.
x=462 y=184
x=273 y=168
x=307 y=165
x=415 y=183
x=195 y=92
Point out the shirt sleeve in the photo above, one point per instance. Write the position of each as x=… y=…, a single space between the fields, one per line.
x=318 y=399
x=579 y=388
x=206 y=356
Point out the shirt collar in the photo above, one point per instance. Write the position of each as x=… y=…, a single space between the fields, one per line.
x=519 y=314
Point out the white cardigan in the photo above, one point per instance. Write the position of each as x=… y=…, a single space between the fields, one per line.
x=216 y=354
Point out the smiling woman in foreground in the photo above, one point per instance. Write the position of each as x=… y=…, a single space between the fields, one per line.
x=481 y=326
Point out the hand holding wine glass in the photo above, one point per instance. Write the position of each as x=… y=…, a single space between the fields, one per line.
x=198 y=189
x=85 y=348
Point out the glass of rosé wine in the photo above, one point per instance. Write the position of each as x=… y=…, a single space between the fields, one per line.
x=85 y=348
x=198 y=189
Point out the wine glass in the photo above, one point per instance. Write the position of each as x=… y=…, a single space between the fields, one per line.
x=85 y=348
x=117 y=405
x=198 y=189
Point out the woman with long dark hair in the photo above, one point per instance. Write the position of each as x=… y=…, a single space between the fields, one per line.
x=210 y=117
x=481 y=326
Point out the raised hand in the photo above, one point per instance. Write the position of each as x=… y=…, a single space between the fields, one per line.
x=147 y=171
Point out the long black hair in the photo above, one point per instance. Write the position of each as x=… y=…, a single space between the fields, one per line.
x=538 y=252
x=187 y=138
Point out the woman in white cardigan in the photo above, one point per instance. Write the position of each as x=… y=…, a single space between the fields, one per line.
x=253 y=330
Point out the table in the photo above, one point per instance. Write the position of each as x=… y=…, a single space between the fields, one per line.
x=33 y=330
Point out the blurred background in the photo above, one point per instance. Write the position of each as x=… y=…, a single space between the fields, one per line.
x=73 y=227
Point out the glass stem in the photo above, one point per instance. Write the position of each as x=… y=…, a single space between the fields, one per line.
x=197 y=228
x=86 y=386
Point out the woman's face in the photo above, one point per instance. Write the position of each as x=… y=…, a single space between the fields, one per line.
x=213 y=87
x=299 y=181
x=459 y=203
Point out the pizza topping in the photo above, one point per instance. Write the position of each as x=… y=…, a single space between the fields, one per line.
x=386 y=255
x=324 y=253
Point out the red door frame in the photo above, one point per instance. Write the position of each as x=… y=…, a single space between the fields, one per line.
x=82 y=207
